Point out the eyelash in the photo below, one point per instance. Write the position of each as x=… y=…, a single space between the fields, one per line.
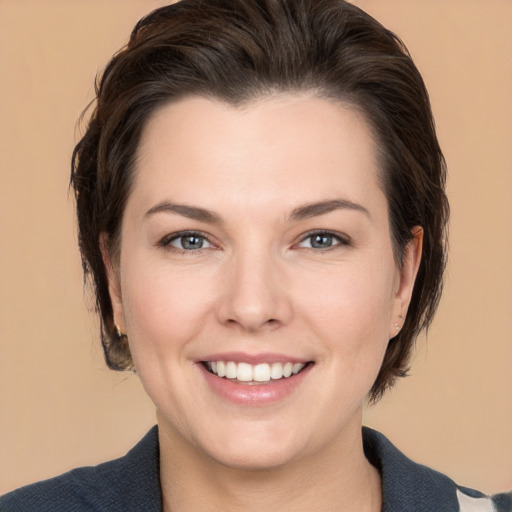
x=341 y=240
x=166 y=242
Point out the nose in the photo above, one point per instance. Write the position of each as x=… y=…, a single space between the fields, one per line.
x=255 y=295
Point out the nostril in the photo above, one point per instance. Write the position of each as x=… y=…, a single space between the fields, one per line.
x=271 y=323
x=254 y=326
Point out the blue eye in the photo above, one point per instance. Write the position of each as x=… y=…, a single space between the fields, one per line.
x=188 y=241
x=322 y=240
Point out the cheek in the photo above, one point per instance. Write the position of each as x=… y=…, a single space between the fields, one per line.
x=349 y=312
x=163 y=307
x=355 y=299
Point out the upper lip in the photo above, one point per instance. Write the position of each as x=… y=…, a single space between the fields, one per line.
x=242 y=357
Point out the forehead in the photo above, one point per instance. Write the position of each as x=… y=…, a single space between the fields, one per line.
x=288 y=148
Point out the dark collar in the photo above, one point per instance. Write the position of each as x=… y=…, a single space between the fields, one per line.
x=407 y=486
x=132 y=483
x=136 y=480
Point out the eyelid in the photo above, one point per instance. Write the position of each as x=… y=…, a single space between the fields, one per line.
x=165 y=242
x=341 y=238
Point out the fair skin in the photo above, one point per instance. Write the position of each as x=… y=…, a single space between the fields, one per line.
x=260 y=235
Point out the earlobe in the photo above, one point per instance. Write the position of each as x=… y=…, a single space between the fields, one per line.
x=114 y=286
x=408 y=272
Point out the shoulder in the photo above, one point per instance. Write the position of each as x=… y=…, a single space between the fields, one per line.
x=128 y=483
x=411 y=486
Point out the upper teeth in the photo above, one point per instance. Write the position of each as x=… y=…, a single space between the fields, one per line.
x=246 y=372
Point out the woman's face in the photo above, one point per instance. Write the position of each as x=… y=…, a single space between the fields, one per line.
x=256 y=242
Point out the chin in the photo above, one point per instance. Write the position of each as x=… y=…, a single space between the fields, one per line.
x=261 y=457
x=254 y=447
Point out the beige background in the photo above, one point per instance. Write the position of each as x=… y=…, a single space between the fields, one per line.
x=60 y=407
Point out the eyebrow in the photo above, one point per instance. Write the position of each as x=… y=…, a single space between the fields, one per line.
x=305 y=211
x=191 y=212
x=315 y=209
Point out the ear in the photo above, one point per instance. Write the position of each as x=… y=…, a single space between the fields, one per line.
x=407 y=278
x=114 y=285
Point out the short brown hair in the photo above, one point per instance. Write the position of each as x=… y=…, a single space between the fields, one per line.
x=237 y=51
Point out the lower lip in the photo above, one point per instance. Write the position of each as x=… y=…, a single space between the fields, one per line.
x=254 y=394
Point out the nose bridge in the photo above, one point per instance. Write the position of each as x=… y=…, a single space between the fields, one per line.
x=256 y=294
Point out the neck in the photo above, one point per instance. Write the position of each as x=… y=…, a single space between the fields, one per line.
x=338 y=478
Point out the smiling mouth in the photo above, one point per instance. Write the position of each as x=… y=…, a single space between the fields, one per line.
x=262 y=373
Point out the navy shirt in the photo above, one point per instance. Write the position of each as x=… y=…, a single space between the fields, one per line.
x=132 y=483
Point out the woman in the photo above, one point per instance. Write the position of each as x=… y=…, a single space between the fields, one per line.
x=260 y=198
